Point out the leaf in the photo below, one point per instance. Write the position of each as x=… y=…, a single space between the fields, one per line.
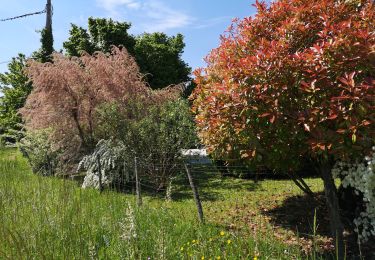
x=321 y=146
x=332 y=116
x=354 y=138
x=245 y=155
x=272 y=119
x=264 y=114
x=366 y=123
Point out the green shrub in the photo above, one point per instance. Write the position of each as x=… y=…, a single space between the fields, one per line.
x=37 y=148
x=154 y=135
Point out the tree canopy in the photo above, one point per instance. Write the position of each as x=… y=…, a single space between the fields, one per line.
x=158 y=55
x=100 y=36
x=296 y=80
x=15 y=86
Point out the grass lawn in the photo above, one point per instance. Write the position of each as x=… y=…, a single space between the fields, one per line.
x=50 y=218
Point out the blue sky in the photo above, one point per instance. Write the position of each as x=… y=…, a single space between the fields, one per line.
x=200 y=21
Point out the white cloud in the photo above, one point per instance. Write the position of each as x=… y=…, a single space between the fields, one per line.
x=112 y=5
x=162 y=17
x=154 y=15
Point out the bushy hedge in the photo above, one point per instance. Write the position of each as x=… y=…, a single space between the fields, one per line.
x=154 y=135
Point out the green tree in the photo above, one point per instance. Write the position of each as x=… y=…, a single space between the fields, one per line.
x=158 y=55
x=15 y=86
x=78 y=41
x=100 y=36
x=46 y=49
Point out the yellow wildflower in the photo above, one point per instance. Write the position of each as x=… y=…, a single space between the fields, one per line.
x=229 y=241
x=193 y=241
x=218 y=257
x=182 y=248
x=222 y=233
x=255 y=258
x=202 y=257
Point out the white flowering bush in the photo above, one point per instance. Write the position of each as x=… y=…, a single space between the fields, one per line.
x=361 y=176
x=113 y=168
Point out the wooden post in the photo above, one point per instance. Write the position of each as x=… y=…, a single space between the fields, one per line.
x=196 y=195
x=100 y=174
x=49 y=16
x=137 y=183
x=49 y=165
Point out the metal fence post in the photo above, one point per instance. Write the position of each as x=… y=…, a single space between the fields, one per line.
x=195 y=193
x=137 y=183
x=100 y=174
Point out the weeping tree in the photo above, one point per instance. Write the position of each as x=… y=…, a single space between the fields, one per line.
x=295 y=81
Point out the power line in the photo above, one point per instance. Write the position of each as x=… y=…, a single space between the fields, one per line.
x=23 y=16
x=5 y=62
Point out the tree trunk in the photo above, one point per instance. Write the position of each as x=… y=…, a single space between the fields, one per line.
x=79 y=128
x=336 y=225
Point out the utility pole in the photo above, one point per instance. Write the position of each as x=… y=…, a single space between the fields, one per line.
x=44 y=54
x=47 y=36
x=49 y=16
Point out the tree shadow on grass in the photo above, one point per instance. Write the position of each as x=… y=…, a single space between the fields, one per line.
x=297 y=214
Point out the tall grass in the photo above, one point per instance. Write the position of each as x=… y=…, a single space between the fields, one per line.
x=49 y=218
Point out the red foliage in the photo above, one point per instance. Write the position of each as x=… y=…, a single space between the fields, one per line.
x=296 y=79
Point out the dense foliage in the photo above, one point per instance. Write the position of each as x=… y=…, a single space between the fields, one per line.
x=296 y=80
x=154 y=135
x=38 y=148
x=44 y=54
x=298 y=75
x=15 y=87
x=159 y=58
x=361 y=177
x=100 y=36
x=158 y=55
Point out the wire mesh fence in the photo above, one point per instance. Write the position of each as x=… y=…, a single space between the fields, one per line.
x=154 y=177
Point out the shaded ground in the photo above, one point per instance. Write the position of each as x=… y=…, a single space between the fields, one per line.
x=297 y=214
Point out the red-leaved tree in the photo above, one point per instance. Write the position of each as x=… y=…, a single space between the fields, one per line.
x=295 y=81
